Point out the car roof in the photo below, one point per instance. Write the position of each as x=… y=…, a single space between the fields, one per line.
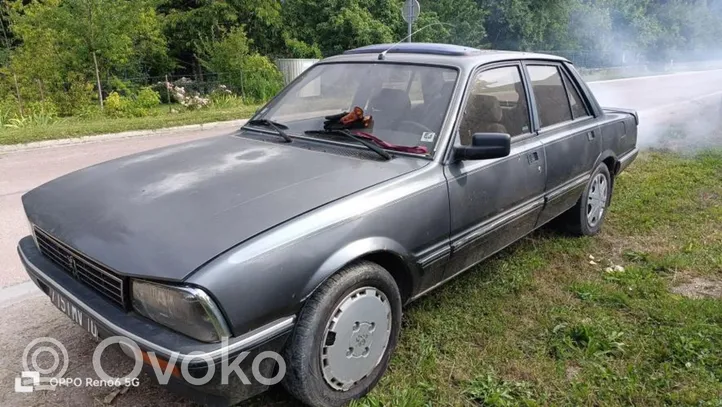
x=437 y=54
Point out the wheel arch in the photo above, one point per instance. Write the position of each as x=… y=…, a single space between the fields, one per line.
x=609 y=158
x=385 y=252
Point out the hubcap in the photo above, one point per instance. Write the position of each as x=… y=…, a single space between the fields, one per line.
x=597 y=201
x=356 y=338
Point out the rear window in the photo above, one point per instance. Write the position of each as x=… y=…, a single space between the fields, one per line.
x=552 y=101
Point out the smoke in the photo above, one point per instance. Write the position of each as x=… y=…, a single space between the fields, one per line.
x=681 y=108
x=680 y=112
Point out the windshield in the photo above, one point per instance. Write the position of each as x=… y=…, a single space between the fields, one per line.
x=408 y=103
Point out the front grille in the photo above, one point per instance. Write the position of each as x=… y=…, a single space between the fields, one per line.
x=85 y=270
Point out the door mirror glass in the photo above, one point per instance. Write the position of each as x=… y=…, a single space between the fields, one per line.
x=485 y=146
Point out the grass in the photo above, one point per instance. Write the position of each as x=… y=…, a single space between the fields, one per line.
x=85 y=126
x=542 y=324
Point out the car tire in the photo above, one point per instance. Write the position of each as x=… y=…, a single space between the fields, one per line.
x=344 y=337
x=587 y=216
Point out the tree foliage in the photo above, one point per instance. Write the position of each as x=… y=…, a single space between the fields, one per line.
x=50 y=45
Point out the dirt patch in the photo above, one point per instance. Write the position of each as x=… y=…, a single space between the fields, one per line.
x=699 y=287
x=572 y=372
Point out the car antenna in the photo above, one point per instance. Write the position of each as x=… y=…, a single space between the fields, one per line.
x=382 y=56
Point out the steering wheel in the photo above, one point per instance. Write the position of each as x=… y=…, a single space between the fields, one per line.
x=417 y=125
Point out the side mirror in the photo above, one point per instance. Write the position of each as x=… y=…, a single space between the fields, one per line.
x=485 y=146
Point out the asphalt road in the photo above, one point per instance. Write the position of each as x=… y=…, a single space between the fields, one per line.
x=26 y=315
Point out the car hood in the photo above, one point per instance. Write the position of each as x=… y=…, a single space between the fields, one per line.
x=164 y=213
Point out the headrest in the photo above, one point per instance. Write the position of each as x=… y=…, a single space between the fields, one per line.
x=391 y=99
x=487 y=108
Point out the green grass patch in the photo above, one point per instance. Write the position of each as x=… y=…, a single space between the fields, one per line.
x=159 y=117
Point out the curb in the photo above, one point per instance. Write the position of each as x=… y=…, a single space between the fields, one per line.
x=117 y=136
x=19 y=292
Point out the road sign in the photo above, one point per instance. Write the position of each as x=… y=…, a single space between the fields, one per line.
x=410 y=11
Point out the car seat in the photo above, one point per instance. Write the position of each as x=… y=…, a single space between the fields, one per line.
x=483 y=115
x=388 y=107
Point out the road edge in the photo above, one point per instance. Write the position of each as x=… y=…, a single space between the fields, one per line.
x=11 y=148
x=15 y=293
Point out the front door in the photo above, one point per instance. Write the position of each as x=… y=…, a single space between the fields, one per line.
x=495 y=202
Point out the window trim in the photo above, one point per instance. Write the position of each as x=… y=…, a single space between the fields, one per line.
x=537 y=125
x=455 y=136
x=566 y=76
x=586 y=93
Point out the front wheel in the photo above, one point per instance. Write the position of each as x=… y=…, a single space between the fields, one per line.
x=344 y=337
x=587 y=216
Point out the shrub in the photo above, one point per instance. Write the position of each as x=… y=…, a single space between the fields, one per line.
x=76 y=96
x=123 y=88
x=254 y=74
x=261 y=78
x=140 y=105
x=115 y=105
x=223 y=97
x=147 y=99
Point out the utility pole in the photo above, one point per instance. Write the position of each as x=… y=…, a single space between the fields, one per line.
x=97 y=77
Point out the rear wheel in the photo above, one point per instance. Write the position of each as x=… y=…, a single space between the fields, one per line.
x=587 y=216
x=344 y=337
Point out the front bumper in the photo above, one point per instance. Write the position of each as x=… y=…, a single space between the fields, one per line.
x=166 y=344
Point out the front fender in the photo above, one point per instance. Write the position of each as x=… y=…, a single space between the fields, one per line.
x=351 y=252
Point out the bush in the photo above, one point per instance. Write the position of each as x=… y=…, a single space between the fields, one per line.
x=123 y=88
x=115 y=105
x=75 y=97
x=254 y=74
x=140 y=105
x=223 y=97
x=261 y=78
x=147 y=99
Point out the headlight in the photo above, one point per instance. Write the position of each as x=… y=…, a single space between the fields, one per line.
x=187 y=310
x=31 y=228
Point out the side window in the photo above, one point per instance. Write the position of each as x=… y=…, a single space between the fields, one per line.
x=497 y=103
x=578 y=107
x=552 y=101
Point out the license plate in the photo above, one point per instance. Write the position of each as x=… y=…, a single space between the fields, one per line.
x=78 y=316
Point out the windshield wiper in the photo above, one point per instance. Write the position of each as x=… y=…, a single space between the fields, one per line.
x=278 y=127
x=341 y=132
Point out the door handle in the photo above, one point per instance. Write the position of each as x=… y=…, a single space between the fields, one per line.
x=590 y=135
x=532 y=157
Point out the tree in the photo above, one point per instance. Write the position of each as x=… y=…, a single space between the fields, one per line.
x=463 y=22
x=125 y=36
x=528 y=24
x=248 y=72
x=189 y=20
x=60 y=41
x=339 y=25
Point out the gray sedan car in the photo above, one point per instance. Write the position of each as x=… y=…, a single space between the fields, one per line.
x=373 y=178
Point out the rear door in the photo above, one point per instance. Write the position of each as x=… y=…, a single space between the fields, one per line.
x=494 y=202
x=568 y=131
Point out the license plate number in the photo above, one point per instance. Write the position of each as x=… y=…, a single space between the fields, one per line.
x=78 y=316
